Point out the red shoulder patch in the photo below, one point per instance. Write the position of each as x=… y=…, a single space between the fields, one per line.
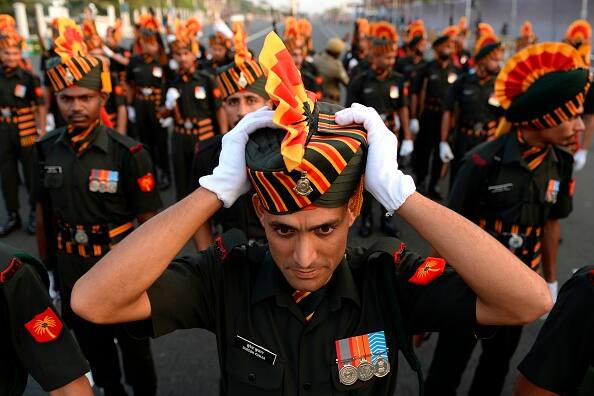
x=136 y=148
x=38 y=92
x=591 y=276
x=118 y=90
x=12 y=268
x=431 y=269
x=220 y=249
x=478 y=160
x=45 y=327
x=571 y=188
x=216 y=92
x=127 y=54
x=146 y=183
x=319 y=80
x=398 y=252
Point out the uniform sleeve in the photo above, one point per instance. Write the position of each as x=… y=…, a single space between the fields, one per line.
x=34 y=92
x=118 y=92
x=354 y=91
x=564 y=205
x=432 y=295
x=465 y=190
x=143 y=195
x=403 y=99
x=564 y=348
x=195 y=281
x=42 y=342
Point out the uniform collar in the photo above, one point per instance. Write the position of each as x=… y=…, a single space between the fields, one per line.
x=512 y=153
x=271 y=283
x=17 y=72
x=101 y=140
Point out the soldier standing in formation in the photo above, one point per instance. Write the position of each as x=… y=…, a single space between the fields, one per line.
x=333 y=73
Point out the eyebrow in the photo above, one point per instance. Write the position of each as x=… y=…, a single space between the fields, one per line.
x=329 y=223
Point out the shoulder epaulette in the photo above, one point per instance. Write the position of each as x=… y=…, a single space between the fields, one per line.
x=132 y=145
x=51 y=135
x=229 y=241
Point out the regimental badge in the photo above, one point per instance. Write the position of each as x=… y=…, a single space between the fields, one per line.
x=493 y=101
x=552 y=191
x=199 y=92
x=303 y=186
x=242 y=82
x=12 y=268
x=362 y=357
x=394 y=92
x=20 y=91
x=463 y=59
x=68 y=77
x=452 y=77
x=188 y=124
x=146 y=183
x=429 y=270
x=45 y=327
x=157 y=72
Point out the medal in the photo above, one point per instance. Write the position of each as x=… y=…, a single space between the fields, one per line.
x=81 y=237
x=552 y=191
x=6 y=112
x=303 y=186
x=515 y=241
x=94 y=180
x=199 y=92
x=188 y=124
x=379 y=353
x=452 y=77
x=157 y=72
x=365 y=370
x=112 y=182
x=347 y=375
x=20 y=91
x=102 y=186
x=394 y=92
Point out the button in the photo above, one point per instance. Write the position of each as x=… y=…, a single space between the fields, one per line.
x=307 y=386
x=251 y=377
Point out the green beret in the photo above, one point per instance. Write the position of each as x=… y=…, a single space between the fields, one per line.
x=486 y=50
x=440 y=40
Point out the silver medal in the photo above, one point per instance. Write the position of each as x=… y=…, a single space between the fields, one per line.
x=112 y=187
x=81 y=237
x=515 y=241
x=381 y=367
x=94 y=185
x=188 y=124
x=347 y=375
x=102 y=186
x=365 y=370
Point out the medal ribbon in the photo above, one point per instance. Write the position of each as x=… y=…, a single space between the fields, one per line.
x=343 y=352
x=377 y=345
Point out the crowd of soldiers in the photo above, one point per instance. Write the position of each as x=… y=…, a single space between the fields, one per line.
x=105 y=128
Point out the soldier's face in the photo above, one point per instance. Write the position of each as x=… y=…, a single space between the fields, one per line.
x=308 y=245
x=149 y=46
x=563 y=134
x=383 y=62
x=298 y=55
x=80 y=106
x=10 y=56
x=218 y=52
x=241 y=103
x=184 y=58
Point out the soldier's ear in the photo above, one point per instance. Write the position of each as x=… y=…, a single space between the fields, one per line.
x=103 y=96
x=259 y=209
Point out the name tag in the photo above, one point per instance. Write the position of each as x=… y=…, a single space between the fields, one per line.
x=500 y=188
x=255 y=350
x=52 y=169
x=367 y=90
x=467 y=92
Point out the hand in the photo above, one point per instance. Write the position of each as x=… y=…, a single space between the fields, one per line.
x=406 y=148
x=445 y=152
x=413 y=126
x=107 y=51
x=383 y=179
x=166 y=122
x=229 y=179
x=579 y=159
x=171 y=97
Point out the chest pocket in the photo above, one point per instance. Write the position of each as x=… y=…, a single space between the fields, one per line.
x=248 y=375
x=505 y=194
x=53 y=180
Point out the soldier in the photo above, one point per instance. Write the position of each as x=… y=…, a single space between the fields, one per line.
x=297 y=45
x=119 y=56
x=333 y=73
x=22 y=111
x=383 y=89
x=559 y=359
x=359 y=45
x=93 y=183
x=146 y=75
x=471 y=105
x=416 y=43
x=306 y=312
x=461 y=56
x=527 y=36
x=428 y=93
x=242 y=91
x=219 y=52
x=579 y=35
x=33 y=337
x=513 y=188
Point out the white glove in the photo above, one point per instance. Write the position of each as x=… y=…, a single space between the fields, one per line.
x=413 y=126
x=107 y=51
x=445 y=152
x=131 y=114
x=54 y=293
x=166 y=122
x=50 y=122
x=579 y=159
x=171 y=97
x=383 y=179
x=229 y=180
x=406 y=148
x=397 y=124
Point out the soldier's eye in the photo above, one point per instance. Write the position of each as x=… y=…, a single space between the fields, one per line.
x=325 y=230
x=284 y=231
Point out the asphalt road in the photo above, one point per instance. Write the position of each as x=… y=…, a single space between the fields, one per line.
x=187 y=361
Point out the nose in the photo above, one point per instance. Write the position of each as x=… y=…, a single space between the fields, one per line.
x=243 y=108
x=579 y=125
x=304 y=254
